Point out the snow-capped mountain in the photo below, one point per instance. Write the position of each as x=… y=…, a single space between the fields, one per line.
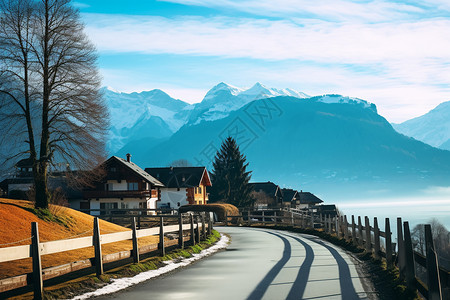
x=432 y=128
x=141 y=115
x=223 y=99
x=155 y=115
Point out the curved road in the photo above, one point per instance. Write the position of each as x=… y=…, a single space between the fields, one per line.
x=260 y=264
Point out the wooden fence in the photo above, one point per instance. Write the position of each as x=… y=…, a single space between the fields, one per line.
x=368 y=237
x=123 y=216
x=198 y=227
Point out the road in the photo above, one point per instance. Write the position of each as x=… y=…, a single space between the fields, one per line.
x=260 y=264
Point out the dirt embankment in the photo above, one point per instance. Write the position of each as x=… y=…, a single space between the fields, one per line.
x=15 y=229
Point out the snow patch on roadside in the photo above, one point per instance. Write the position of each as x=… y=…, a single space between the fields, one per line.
x=122 y=283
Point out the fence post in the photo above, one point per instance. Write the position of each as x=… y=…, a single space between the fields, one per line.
x=302 y=220
x=340 y=231
x=368 y=235
x=249 y=220
x=346 y=236
x=292 y=219
x=192 y=230
x=209 y=224
x=135 y=241
x=180 y=231
x=360 y=233
x=197 y=230
x=203 y=227
x=263 y=219
x=376 y=242
x=388 y=239
x=321 y=220
x=410 y=273
x=433 y=281
x=275 y=217
x=162 y=248
x=312 y=220
x=211 y=221
x=355 y=242
x=38 y=286
x=400 y=249
x=97 y=249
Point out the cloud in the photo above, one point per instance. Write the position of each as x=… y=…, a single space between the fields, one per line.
x=402 y=66
x=272 y=40
x=80 y=5
x=339 y=10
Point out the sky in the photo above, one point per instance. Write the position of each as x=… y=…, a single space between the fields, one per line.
x=395 y=54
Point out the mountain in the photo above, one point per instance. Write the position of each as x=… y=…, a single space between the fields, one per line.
x=223 y=99
x=152 y=114
x=332 y=144
x=432 y=128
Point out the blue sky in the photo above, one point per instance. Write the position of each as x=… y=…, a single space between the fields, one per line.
x=395 y=54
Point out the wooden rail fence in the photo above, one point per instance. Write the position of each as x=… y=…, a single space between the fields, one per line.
x=36 y=249
x=368 y=237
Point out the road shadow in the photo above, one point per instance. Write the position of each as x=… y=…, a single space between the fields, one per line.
x=264 y=284
x=299 y=286
x=345 y=279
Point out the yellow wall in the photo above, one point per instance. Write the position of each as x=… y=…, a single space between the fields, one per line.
x=200 y=198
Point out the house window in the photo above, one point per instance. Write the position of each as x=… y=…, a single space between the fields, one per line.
x=107 y=206
x=113 y=169
x=132 y=186
x=108 y=187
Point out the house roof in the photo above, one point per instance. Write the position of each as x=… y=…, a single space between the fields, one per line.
x=137 y=170
x=26 y=162
x=268 y=187
x=307 y=197
x=180 y=177
x=289 y=195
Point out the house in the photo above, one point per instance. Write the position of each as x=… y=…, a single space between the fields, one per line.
x=266 y=194
x=125 y=185
x=182 y=185
x=289 y=197
x=306 y=200
x=328 y=210
x=18 y=185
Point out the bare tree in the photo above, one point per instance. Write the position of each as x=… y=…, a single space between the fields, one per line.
x=68 y=119
x=180 y=163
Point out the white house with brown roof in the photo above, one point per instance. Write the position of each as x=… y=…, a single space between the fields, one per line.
x=182 y=185
x=125 y=185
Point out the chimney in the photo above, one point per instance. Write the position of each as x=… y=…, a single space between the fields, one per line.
x=128 y=157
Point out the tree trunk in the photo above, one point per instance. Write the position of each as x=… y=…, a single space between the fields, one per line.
x=40 y=186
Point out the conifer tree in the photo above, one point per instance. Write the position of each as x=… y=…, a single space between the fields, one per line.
x=229 y=176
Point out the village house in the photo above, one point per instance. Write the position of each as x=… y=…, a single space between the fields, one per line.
x=124 y=186
x=182 y=185
x=18 y=185
x=306 y=200
x=289 y=197
x=266 y=194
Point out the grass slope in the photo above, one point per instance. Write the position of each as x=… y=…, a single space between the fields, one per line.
x=15 y=225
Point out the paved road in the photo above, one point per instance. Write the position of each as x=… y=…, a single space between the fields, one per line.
x=260 y=264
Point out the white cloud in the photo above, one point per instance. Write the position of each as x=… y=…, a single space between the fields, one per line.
x=273 y=40
x=342 y=10
x=403 y=67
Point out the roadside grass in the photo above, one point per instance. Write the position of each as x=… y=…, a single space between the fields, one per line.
x=90 y=283
x=386 y=281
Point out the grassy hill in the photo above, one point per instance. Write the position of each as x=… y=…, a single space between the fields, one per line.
x=15 y=225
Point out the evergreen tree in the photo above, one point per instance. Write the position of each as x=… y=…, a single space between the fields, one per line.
x=229 y=176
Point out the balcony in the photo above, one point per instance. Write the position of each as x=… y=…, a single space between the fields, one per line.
x=120 y=194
